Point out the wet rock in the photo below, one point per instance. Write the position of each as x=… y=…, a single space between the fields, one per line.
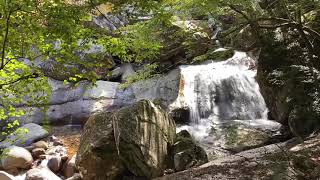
x=181 y=115
x=54 y=163
x=135 y=137
x=6 y=176
x=15 y=158
x=41 y=174
x=29 y=134
x=186 y=153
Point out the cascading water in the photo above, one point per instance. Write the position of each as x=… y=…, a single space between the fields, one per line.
x=221 y=92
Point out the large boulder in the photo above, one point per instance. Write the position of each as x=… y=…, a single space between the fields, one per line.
x=15 y=158
x=135 y=138
x=25 y=136
x=98 y=149
x=239 y=135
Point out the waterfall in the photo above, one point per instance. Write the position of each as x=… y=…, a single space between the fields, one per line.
x=224 y=90
x=221 y=91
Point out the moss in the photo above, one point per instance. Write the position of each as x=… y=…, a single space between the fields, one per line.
x=221 y=55
x=214 y=55
x=231 y=135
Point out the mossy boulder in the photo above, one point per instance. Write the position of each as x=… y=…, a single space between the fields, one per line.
x=236 y=136
x=186 y=153
x=240 y=138
x=135 y=139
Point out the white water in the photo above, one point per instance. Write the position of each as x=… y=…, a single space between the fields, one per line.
x=218 y=92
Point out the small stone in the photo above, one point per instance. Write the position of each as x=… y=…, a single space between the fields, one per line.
x=54 y=163
x=37 y=152
x=41 y=144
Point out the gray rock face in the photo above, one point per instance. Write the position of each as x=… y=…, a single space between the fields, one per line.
x=290 y=89
x=15 y=158
x=30 y=133
x=134 y=138
x=165 y=88
x=74 y=104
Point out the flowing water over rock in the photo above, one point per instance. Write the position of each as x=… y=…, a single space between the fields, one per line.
x=224 y=101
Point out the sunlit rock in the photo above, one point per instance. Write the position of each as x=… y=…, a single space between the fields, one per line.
x=135 y=138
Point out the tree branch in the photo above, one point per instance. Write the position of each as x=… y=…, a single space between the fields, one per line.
x=34 y=75
x=4 y=43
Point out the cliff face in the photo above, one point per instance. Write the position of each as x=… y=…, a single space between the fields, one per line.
x=289 y=84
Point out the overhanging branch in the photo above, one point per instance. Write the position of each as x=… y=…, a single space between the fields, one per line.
x=34 y=75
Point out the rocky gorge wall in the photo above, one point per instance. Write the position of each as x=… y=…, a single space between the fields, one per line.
x=72 y=104
x=290 y=86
